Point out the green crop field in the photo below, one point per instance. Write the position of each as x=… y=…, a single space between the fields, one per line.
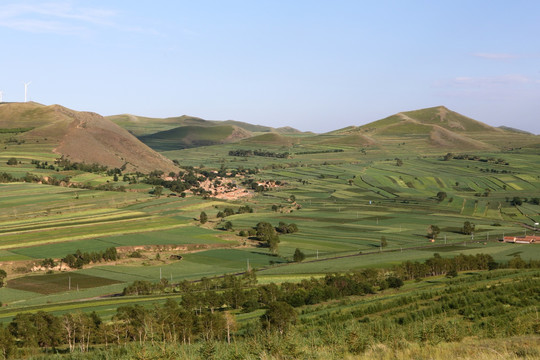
x=55 y=283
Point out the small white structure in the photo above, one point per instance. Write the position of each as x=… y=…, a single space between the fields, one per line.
x=26 y=91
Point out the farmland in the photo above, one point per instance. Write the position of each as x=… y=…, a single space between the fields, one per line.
x=343 y=205
x=356 y=207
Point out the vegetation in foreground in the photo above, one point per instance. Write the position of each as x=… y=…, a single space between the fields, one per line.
x=339 y=316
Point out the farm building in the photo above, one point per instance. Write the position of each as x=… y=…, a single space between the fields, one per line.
x=529 y=239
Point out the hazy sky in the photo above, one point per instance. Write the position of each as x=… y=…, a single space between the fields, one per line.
x=314 y=65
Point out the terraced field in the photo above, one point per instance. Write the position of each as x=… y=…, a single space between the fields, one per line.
x=344 y=204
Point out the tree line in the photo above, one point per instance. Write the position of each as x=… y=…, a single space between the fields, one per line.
x=265 y=153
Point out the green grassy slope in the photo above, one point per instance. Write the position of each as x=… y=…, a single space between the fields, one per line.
x=193 y=136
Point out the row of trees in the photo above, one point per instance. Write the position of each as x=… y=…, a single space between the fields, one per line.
x=450 y=156
x=438 y=265
x=78 y=259
x=265 y=153
x=245 y=209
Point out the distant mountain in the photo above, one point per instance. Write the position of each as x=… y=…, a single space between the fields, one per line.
x=141 y=126
x=437 y=127
x=193 y=136
x=81 y=136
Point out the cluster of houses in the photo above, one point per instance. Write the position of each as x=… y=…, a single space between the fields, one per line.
x=528 y=239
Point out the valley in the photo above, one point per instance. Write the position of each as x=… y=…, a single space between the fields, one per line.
x=366 y=198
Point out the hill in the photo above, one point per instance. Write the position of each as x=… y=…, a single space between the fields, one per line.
x=439 y=127
x=141 y=126
x=80 y=136
x=193 y=136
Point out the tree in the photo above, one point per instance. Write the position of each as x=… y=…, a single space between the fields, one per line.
x=292 y=228
x=22 y=327
x=384 y=243
x=228 y=226
x=12 y=161
x=158 y=190
x=3 y=275
x=399 y=162
x=212 y=325
x=283 y=228
x=441 y=195
x=517 y=262
x=298 y=256
x=273 y=242
x=264 y=230
x=516 y=201
x=448 y=156
x=278 y=317
x=467 y=228
x=292 y=198
x=203 y=218
x=394 y=282
x=7 y=343
x=433 y=231
x=230 y=322
x=70 y=260
x=452 y=273
x=48 y=263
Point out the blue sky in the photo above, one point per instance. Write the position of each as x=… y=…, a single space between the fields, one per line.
x=314 y=65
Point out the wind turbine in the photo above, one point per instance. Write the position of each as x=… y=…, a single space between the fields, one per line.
x=1 y=96
x=26 y=90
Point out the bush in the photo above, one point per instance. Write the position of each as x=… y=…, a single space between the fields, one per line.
x=203 y=218
x=394 y=282
x=298 y=256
